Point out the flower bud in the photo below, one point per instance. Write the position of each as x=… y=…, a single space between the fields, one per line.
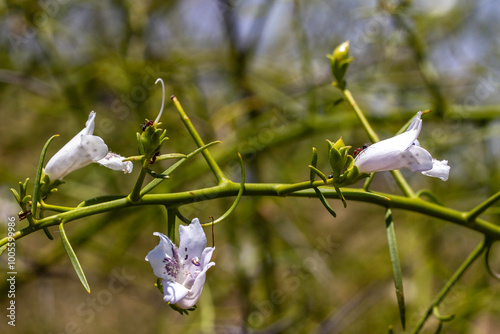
x=337 y=154
x=340 y=60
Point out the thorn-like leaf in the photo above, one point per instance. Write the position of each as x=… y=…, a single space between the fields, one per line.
x=315 y=171
x=73 y=258
x=47 y=233
x=396 y=266
x=324 y=202
x=36 y=188
x=314 y=162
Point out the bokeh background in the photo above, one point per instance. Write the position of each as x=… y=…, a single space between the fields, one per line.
x=253 y=74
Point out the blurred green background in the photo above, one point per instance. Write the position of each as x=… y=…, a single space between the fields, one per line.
x=253 y=74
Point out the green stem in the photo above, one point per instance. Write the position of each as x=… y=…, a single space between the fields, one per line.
x=135 y=195
x=303 y=189
x=361 y=116
x=171 y=214
x=396 y=174
x=478 y=210
x=219 y=175
x=449 y=285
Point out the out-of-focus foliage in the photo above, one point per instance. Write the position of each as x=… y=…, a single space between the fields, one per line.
x=254 y=75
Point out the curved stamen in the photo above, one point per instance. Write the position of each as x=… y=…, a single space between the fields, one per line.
x=162 y=101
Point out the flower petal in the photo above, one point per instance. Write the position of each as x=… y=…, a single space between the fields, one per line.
x=416 y=159
x=81 y=150
x=173 y=292
x=192 y=240
x=401 y=151
x=195 y=292
x=197 y=265
x=164 y=258
x=440 y=169
x=115 y=162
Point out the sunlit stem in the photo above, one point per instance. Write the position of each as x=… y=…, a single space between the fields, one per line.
x=162 y=100
x=449 y=285
x=172 y=168
x=135 y=195
x=238 y=197
x=171 y=214
x=219 y=175
x=478 y=210
x=396 y=174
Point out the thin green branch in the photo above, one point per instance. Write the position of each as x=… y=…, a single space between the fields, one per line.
x=135 y=195
x=238 y=197
x=219 y=175
x=396 y=266
x=481 y=208
x=171 y=213
x=153 y=184
x=303 y=189
x=449 y=285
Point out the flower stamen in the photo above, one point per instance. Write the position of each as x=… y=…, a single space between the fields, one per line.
x=162 y=100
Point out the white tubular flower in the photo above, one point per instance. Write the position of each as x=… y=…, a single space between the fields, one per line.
x=402 y=151
x=80 y=151
x=182 y=270
x=115 y=162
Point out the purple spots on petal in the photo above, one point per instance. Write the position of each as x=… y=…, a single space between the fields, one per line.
x=171 y=266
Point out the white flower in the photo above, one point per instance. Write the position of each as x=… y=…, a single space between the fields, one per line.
x=81 y=150
x=182 y=269
x=402 y=151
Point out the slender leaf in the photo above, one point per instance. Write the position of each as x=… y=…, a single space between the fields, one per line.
x=73 y=258
x=315 y=171
x=36 y=189
x=396 y=266
x=324 y=202
x=314 y=162
x=341 y=196
x=3 y=248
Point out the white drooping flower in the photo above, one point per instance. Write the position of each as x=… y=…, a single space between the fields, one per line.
x=82 y=150
x=182 y=270
x=402 y=151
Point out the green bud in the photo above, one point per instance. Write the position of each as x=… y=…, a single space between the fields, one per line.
x=337 y=154
x=150 y=140
x=340 y=60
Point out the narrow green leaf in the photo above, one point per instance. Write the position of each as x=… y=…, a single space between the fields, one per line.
x=36 y=189
x=491 y=271
x=3 y=248
x=73 y=258
x=47 y=233
x=441 y=317
x=396 y=266
x=341 y=196
x=150 y=186
x=238 y=196
x=315 y=171
x=314 y=163
x=171 y=156
x=324 y=202
x=16 y=195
